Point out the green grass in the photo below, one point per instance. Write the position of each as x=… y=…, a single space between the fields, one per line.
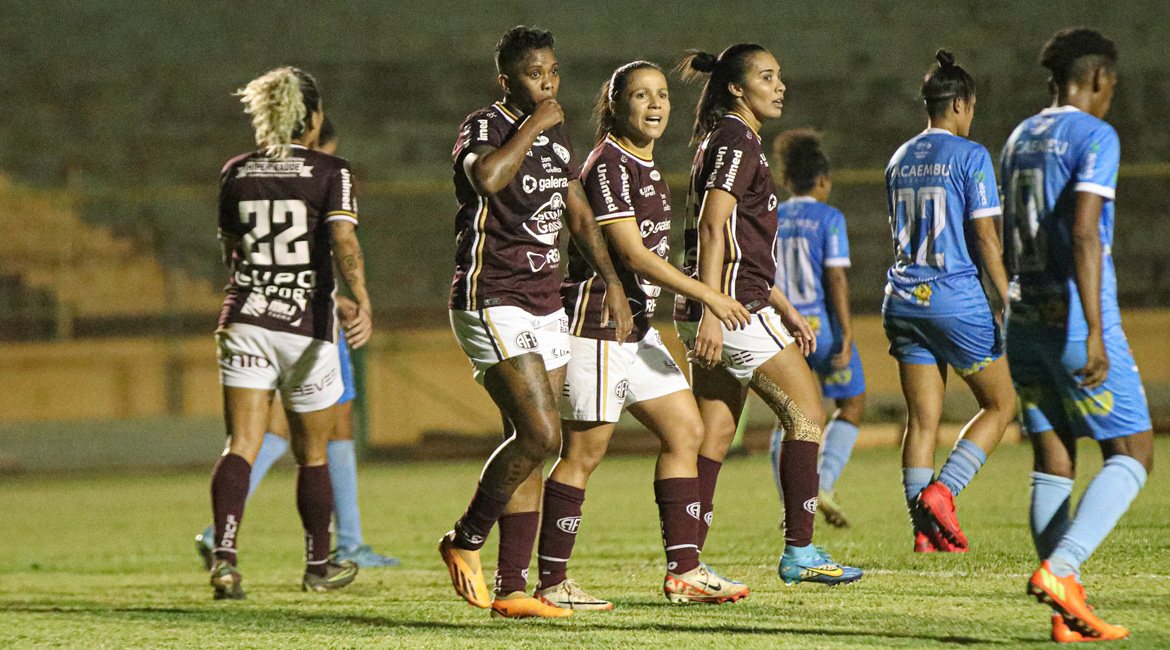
x=107 y=562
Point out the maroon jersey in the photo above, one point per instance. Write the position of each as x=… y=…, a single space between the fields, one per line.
x=731 y=158
x=506 y=243
x=282 y=269
x=620 y=186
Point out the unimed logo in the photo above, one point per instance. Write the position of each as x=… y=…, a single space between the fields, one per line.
x=569 y=524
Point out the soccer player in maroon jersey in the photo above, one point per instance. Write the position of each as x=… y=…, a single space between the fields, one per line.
x=606 y=375
x=287 y=213
x=729 y=239
x=514 y=183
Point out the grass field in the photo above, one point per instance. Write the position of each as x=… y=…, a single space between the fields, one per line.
x=107 y=562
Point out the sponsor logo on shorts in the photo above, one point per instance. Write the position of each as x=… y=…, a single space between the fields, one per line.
x=742 y=358
x=526 y=340
x=569 y=524
x=622 y=387
x=839 y=378
x=922 y=294
x=1099 y=405
x=316 y=387
x=810 y=506
x=695 y=510
x=245 y=361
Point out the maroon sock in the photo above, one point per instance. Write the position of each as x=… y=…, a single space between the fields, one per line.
x=315 y=505
x=472 y=529
x=558 y=531
x=229 y=493
x=708 y=476
x=799 y=482
x=679 y=511
x=517 y=537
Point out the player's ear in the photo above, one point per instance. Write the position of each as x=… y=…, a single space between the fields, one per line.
x=503 y=81
x=735 y=89
x=1097 y=73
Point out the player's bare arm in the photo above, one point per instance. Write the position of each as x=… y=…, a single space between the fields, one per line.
x=987 y=238
x=717 y=208
x=626 y=241
x=837 y=286
x=587 y=235
x=347 y=255
x=1087 y=275
x=490 y=169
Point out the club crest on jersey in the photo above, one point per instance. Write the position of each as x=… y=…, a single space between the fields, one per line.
x=569 y=524
x=561 y=151
x=655 y=175
x=695 y=510
x=810 y=506
x=526 y=340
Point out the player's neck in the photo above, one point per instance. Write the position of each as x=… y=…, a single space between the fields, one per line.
x=1078 y=100
x=943 y=124
x=641 y=148
x=748 y=118
x=514 y=108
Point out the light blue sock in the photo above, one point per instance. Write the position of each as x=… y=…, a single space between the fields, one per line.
x=343 y=473
x=1049 y=516
x=798 y=552
x=777 y=438
x=914 y=481
x=270 y=451
x=965 y=460
x=1107 y=498
x=840 y=436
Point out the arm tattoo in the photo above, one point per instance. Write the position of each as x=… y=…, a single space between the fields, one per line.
x=791 y=418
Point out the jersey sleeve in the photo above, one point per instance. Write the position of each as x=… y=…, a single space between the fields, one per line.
x=478 y=130
x=735 y=162
x=1096 y=168
x=607 y=186
x=981 y=192
x=836 y=241
x=340 y=201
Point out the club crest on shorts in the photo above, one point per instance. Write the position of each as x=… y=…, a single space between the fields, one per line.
x=810 y=506
x=622 y=387
x=695 y=510
x=526 y=340
x=569 y=524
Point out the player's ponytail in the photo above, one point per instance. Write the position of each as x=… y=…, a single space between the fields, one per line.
x=613 y=91
x=280 y=101
x=716 y=101
x=945 y=82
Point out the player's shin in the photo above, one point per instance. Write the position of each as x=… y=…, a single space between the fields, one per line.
x=558 y=531
x=229 y=493
x=708 y=478
x=1104 y=502
x=680 y=513
x=315 y=505
x=1049 y=514
x=517 y=537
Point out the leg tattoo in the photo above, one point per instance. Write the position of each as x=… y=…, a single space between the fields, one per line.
x=791 y=418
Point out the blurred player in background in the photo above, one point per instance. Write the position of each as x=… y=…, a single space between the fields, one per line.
x=514 y=181
x=941 y=192
x=287 y=215
x=631 y=202
x=1070 y=359
x=730 y=237
x=341 y=453
x=812 y=253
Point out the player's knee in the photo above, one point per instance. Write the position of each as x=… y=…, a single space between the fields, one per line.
x=851 y=409
x=540 y=442
x=685 y=438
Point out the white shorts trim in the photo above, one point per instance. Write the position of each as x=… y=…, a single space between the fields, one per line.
x=605 y=377
x=489 y=336
x=746 y=349
x=306 y=371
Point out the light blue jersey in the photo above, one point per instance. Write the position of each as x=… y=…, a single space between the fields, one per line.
x=810 y=237
x=935 y=184
x=1048 y=159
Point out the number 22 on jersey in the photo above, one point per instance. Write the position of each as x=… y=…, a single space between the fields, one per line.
x=286 y=248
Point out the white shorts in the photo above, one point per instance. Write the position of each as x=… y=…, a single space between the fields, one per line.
x=746 y=349
x=488 y=336
x=306 y=371
x=605 y=377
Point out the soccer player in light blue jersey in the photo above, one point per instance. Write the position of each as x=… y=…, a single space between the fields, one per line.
x=812 y=253
x=1070 y=360
x=942 y=194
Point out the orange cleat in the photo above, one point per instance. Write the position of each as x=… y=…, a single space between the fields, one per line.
x=938 y=502
x=466 y=572
x=922 y=543
x=1066 y=596
x=1062 y=633
x=944 y=545
x=520 y=605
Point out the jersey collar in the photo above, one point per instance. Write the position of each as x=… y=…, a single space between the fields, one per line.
x=508 y=115
x=742 y=121
x=933 y=130
x=801 y=199
x=1055 y=110
x=645 y=162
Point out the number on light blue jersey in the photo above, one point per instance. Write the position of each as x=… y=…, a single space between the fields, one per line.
x=919 y=218
x=798 y=271
x=1029 y=207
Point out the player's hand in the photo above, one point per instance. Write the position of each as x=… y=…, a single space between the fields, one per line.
x=733 y=315
x=616 y=310
x=357 y=322
x=1096 y=364
x=708 y=351
x=840 y=361
x=799 y=328
x=547 y=114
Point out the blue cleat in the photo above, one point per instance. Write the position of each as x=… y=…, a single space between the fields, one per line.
x=812 y=564
x=364 y=556
x=205 y=546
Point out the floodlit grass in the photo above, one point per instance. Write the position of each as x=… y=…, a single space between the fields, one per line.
x=108 y=562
